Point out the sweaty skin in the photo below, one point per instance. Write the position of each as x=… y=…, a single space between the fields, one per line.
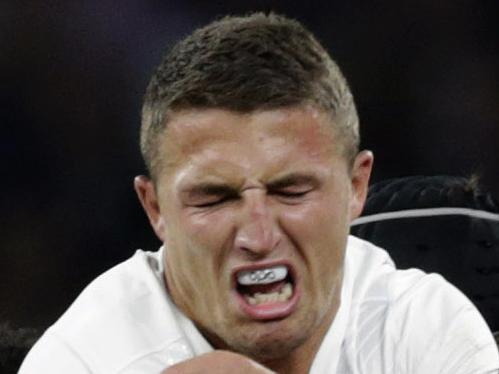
x=238 y=190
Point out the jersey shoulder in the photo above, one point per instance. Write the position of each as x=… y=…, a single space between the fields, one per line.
x=408 y=321
x=121 y=317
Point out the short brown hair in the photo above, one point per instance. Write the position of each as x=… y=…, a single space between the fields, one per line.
x=247 y=63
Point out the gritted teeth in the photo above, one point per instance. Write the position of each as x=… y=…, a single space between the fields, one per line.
x=262 y=276
x=274 y=297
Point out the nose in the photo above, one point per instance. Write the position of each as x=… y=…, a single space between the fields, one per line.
x=258 y=231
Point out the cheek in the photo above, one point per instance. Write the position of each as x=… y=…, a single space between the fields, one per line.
x=203 y=240
x=193 y=265
x=209 y=230
x=320 y=230
x=318 y=220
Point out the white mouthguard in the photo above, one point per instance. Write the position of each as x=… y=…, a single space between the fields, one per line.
x=262 y=276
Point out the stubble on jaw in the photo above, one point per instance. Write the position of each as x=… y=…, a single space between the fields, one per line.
x=283 y=354
x=262 y=349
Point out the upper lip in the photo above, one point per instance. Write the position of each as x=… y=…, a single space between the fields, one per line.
x=263 y=265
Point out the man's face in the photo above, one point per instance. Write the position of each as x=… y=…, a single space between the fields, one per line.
x=247 y=199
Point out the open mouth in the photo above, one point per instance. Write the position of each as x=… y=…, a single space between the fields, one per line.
x=266 y=292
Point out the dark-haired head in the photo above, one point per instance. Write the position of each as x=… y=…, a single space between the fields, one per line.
x=245 y=64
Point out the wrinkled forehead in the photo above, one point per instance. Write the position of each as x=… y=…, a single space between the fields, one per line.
x=193 y=132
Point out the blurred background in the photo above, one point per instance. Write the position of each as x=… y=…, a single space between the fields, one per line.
x=425 y=75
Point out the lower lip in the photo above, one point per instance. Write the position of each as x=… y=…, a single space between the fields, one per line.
x=269 y=311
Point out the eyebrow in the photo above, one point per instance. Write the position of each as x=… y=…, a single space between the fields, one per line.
x=294 y=179
x=211 y=189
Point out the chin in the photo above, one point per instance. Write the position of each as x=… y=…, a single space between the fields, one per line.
x=269 y=349
x=271 y=340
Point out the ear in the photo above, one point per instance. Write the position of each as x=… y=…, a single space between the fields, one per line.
x=361 y=172
x=147 y=196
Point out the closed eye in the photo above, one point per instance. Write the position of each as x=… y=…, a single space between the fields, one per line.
x=294 y=186
x=208 y=195
x=217 y=201
x=291 y=193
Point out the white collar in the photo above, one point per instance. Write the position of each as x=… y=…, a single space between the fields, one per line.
x=327 y=358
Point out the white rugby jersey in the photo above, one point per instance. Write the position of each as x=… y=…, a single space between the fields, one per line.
x=389 y=321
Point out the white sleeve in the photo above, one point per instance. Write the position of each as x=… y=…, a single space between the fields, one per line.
x=54 y=356
x=441 y=331
x=467 y=347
